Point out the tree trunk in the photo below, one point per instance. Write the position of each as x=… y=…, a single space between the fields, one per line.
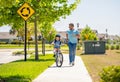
x=36 y=40
x=43 y=46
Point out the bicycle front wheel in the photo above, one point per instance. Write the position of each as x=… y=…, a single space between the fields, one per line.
x=59 y=60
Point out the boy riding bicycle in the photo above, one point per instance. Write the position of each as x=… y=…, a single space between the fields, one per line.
x=57 y=44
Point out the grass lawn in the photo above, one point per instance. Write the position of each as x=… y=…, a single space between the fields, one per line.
x=95 y=63
x=21 y=71
x=4 y=46
x=14 y=46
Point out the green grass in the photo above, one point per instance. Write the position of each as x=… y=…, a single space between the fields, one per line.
x=16 y=46
x=21 y=71
x=20 y=46
x=95 y=63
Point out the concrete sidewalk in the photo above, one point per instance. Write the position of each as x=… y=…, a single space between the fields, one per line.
x=66 y=73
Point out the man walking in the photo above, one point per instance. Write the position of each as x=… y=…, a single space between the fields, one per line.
x=72 y=37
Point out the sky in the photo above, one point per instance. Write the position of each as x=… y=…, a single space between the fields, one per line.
x=98 y=14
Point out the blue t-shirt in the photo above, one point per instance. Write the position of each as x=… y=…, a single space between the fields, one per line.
x=57 y=44
x=72 y=36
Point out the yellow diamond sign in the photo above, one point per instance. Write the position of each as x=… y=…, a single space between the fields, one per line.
x=25 y=11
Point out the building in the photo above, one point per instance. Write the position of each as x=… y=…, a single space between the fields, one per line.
x=7 y=37
x=63 y=33
x=101 y=36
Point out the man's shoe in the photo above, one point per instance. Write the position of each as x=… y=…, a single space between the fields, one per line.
x=73 y=63
x=70 y=64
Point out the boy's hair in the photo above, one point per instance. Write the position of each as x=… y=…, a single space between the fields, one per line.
x=57 y=36
x=71 y=24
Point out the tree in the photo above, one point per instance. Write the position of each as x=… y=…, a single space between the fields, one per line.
x=88 y=34
x=47 y=12
x=47 y=31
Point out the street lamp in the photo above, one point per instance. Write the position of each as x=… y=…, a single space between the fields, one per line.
x=77 y=25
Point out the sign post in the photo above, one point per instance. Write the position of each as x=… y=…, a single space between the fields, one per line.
x=25 y=42
x=25 y=11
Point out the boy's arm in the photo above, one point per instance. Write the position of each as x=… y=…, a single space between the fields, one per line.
x=52 y=43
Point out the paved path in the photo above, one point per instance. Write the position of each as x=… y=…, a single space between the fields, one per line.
x=77 y=73
x=6 y=57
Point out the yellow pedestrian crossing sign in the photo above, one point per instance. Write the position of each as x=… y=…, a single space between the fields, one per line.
x=25 y=11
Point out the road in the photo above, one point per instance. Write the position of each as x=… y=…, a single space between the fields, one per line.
x=6 y=56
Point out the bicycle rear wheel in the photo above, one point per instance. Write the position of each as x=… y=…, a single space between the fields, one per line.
x=59 y=60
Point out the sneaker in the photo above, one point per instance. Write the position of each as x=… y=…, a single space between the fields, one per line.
x=54 y=55
x=73 y=63
x=70 y=64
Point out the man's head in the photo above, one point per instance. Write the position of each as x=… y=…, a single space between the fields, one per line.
x=71 y=26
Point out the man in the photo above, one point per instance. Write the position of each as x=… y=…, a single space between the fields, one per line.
x=72 y=37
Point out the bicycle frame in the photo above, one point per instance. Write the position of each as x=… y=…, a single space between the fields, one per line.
x=58 y=58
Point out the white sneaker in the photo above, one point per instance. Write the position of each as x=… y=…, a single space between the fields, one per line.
x=70 y=64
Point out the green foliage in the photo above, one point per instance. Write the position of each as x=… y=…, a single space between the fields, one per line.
x=47 y=31
x=17 y=42
x=46 y=11
x=21 y=71
x=117 y=47
x=22 y=52
x=110 y=74
x=18 y=53
x=112 y=47
x=107 y=47
x=3 y=42
x=88 y=34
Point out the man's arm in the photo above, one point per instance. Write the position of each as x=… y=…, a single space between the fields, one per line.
x=78 y=36
x=66 y=38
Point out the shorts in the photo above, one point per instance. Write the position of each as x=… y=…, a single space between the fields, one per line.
x=56 y=46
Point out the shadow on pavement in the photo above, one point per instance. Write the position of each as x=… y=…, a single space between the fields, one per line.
x=59 y=67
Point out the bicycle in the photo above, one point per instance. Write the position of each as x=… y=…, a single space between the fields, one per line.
x=58 y=58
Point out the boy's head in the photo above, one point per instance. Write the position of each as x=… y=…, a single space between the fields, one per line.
x=57 y=37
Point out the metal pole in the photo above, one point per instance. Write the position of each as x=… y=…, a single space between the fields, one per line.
x=36 y=40
x=25 y=44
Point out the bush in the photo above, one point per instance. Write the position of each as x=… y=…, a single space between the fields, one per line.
x=78 y=47
x=110 y=74
x=117 y=47
x=18 y=53
x=33 y=42
x=112 y=47
x=107 y=47
x=22 y=42
x=3 y=42
x=16 y=42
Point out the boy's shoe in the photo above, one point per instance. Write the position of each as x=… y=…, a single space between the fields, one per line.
x=54 y=55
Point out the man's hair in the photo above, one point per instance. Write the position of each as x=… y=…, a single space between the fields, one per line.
x=71 y=24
